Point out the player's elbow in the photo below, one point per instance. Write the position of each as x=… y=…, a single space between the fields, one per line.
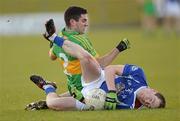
x=114 y=69
x=52 y=56
x=110 y=69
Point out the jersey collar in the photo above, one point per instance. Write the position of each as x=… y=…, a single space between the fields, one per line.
x=66 y=31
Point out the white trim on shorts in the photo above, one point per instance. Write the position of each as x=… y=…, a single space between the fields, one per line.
x=93 y=84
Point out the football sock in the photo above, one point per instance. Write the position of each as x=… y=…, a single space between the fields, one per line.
x=81 y=106
x=48 y=89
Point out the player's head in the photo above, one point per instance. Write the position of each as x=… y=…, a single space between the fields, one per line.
x=162 y=100
x=151 y=98
x=76 y=19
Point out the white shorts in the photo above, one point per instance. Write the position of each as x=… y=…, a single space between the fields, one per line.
x=94 y=84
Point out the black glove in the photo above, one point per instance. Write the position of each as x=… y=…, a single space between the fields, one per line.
x=111 y=100
x=123 y=45
x=50 y=29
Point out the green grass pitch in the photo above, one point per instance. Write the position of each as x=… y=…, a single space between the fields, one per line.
x=20 y=57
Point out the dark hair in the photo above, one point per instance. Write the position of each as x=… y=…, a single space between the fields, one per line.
x=162 y=100
x=73 y=12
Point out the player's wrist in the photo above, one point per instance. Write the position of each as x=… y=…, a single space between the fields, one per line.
x=112 y=94
x=121 y=47
x=52 y=37
x=56 y=39
x=112 y=91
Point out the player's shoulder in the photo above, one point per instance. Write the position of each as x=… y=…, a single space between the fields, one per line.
x=80 y=37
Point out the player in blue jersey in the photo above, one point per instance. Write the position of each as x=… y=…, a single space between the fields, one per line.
x=130 y=83
x=126 y=88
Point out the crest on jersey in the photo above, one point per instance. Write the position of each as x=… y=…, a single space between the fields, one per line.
x=119 y=87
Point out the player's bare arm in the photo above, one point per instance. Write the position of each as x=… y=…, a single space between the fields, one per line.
x=109 y=57
x=110 y=74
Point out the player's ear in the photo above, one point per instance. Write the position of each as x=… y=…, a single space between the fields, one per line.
x=72 y=22
x=154 y=90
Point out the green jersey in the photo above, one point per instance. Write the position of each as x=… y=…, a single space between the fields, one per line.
x=71 y=65
x=149 y=8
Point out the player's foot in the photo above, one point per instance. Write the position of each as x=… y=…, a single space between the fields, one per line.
x=40 y=82
x=39 y=105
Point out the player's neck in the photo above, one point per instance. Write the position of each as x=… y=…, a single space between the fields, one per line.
x=69 y=29
x=138 y=104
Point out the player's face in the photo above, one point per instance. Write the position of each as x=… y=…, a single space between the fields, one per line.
x=82 y=24
x=149 y=99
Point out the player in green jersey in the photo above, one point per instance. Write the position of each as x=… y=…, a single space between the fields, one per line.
x=76 y=20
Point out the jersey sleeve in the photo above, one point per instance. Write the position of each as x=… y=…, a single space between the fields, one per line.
x=135 y=72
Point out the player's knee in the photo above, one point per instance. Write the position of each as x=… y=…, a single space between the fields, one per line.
x=86 y=56
x=50 y=104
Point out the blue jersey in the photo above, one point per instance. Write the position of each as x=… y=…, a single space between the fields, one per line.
x=127 y=85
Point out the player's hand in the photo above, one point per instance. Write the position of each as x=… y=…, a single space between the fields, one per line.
x=50 y=29
x=77 y=94
x=123 y=45
x=111 y=100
